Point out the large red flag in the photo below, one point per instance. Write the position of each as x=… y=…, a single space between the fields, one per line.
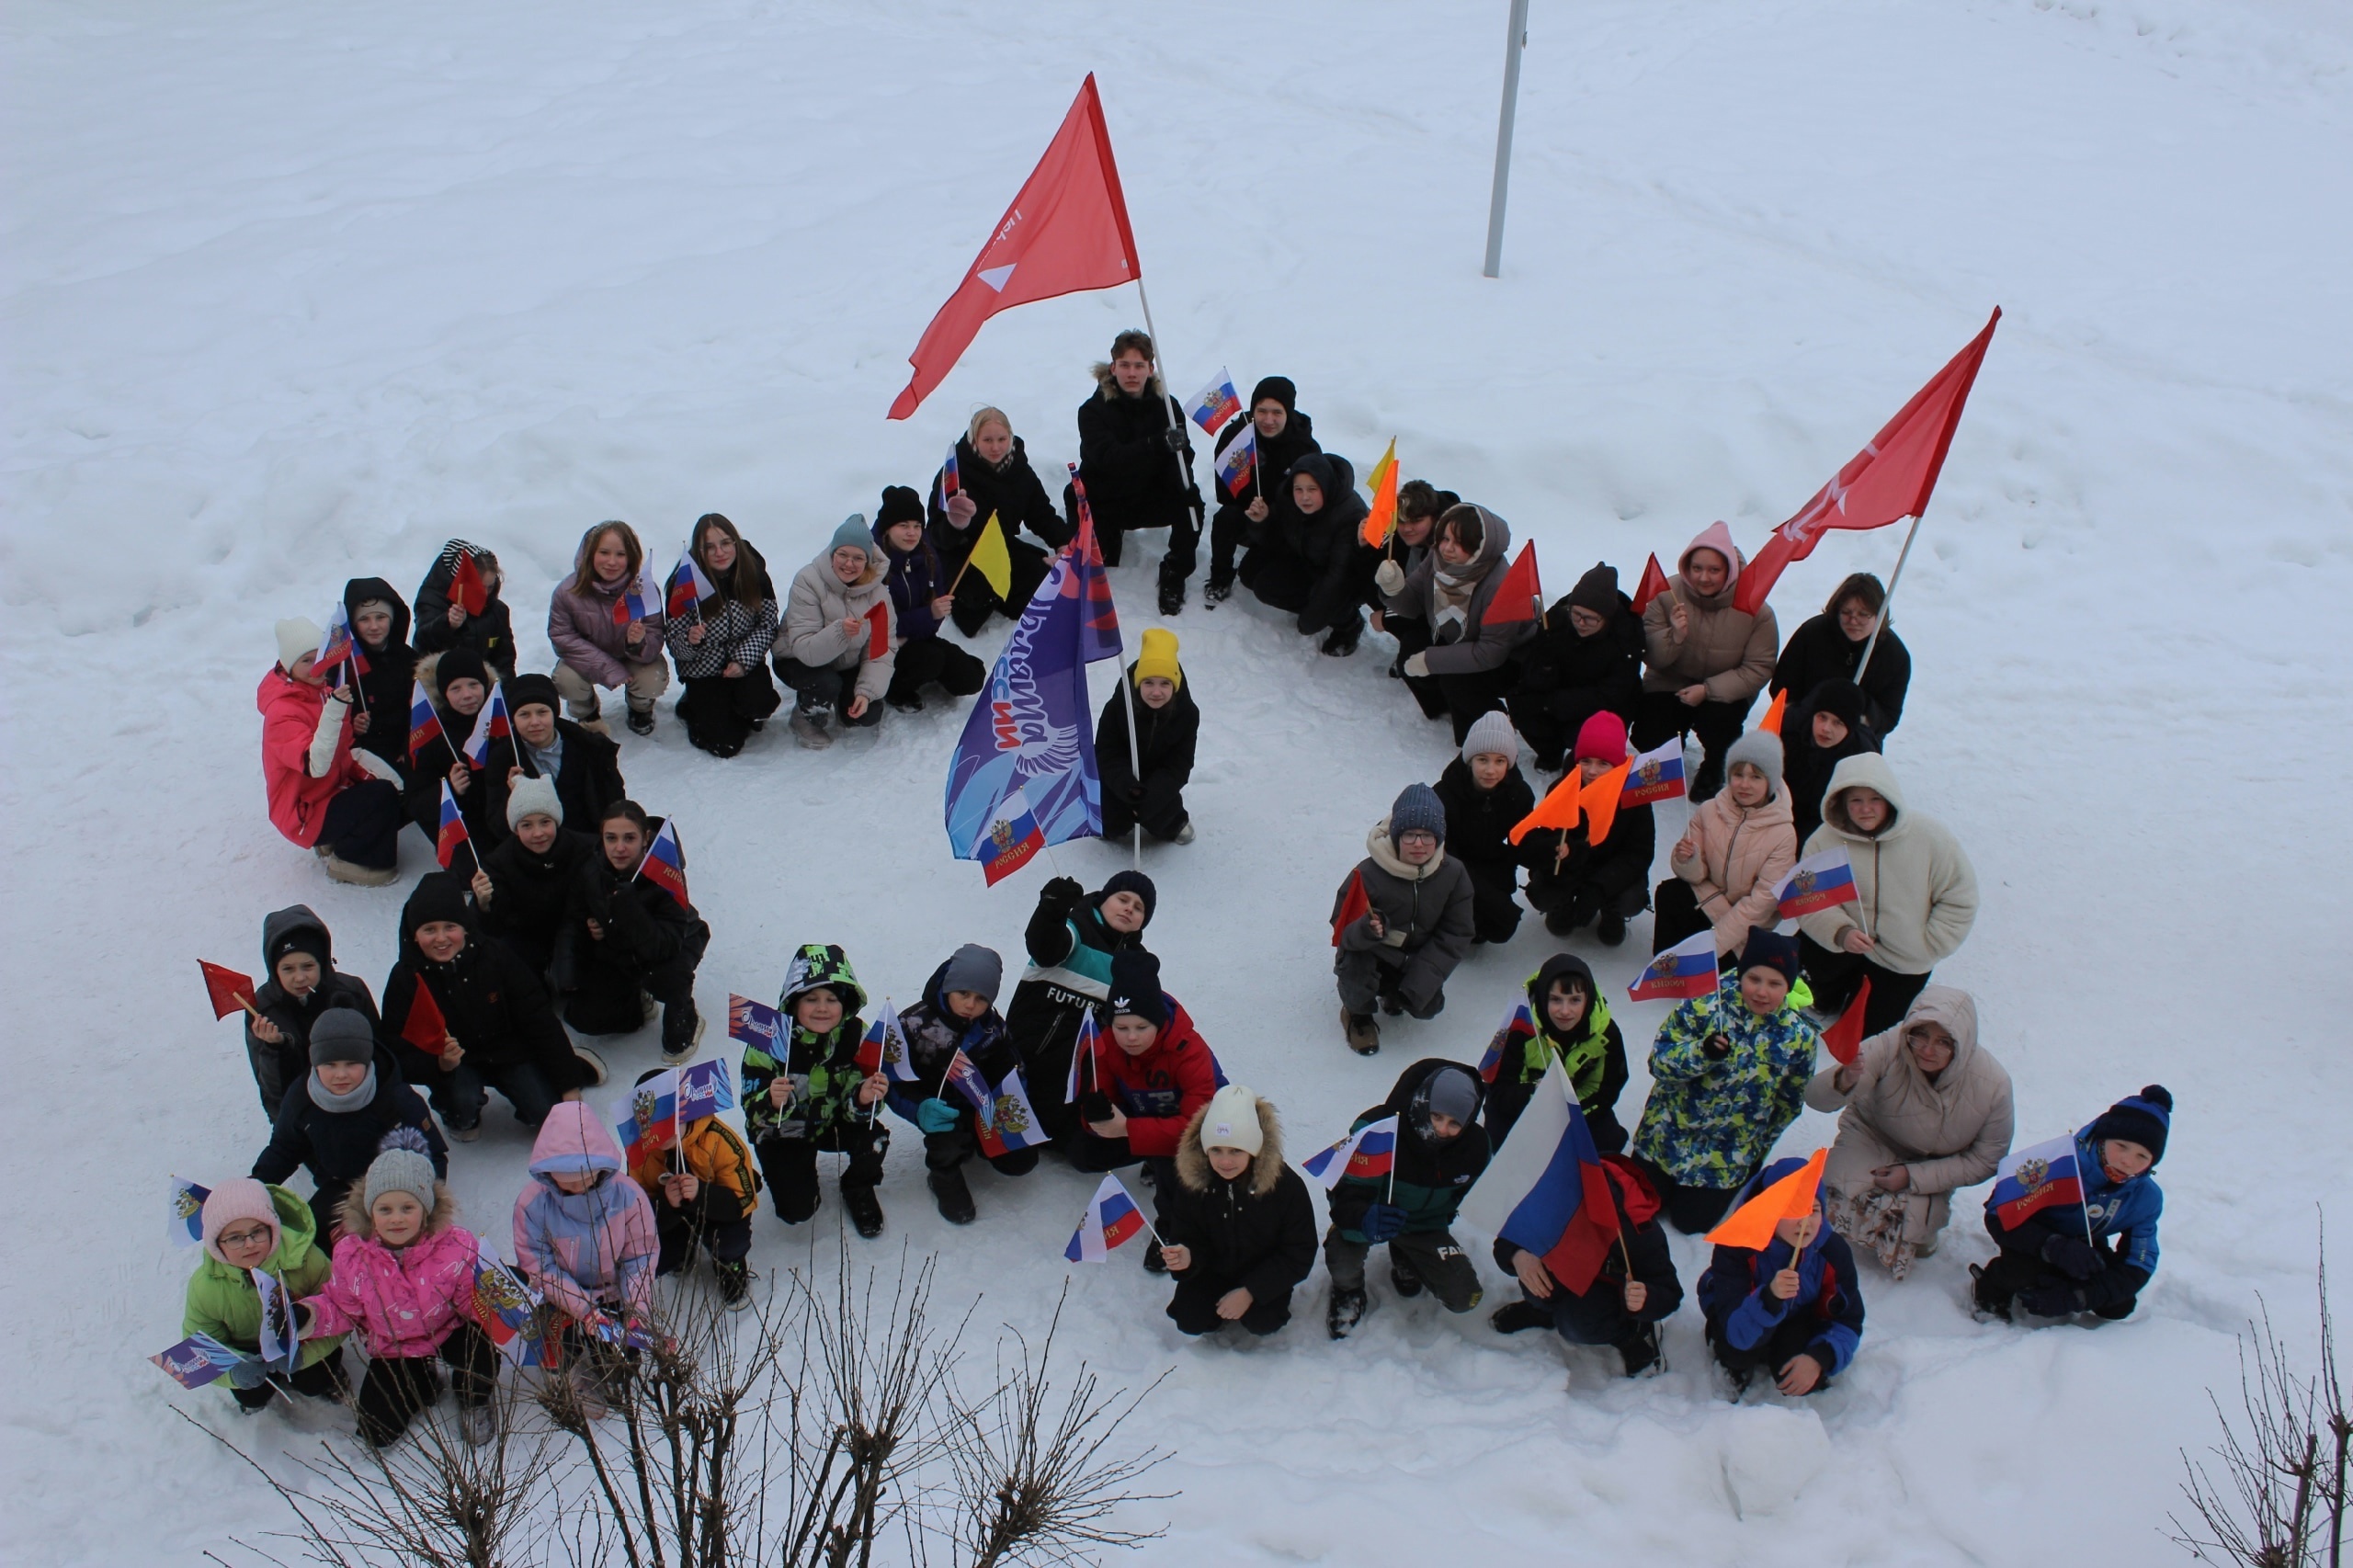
x=1065 y=233
x=1890 y=479
x=1520 y=595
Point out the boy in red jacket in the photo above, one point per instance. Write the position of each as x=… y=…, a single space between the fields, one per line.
x=1144 y=1078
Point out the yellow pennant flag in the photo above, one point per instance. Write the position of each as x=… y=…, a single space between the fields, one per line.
x=991 y=559
x=1383 y=515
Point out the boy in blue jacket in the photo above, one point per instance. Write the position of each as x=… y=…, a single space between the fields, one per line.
x=1793 y=1308
x=2059 y=1261
x=957 y=1013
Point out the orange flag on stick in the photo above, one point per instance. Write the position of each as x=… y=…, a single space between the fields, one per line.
x=1844 y=1039
x=1771 y=724
x=1520 y=595
x=1557 y=808
x=1382 y=518
x=1600 y=801
x=1572 y=797
x=1792 y=1198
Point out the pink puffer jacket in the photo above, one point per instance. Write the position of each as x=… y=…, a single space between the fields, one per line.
x=406 y=1302
x=1742 y=855
x=587 y=1251
x=290 y=716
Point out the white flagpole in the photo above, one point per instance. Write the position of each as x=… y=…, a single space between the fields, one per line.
x=1513 y=45
x=1886 y=605
x=1175 y=414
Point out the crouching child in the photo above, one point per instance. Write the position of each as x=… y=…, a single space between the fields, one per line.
x=1634 y=1290
x=702 y=1185
x=2096 y=1256
x=1793 y=1308
x=1440 y=1151
x=404 y=1281
x=631 y=939
x=820 y=1097
x=585 y=1239
x=1237 y=1228
x=1149 y=788
x=251 y=1227
x=957 y=1013
x=1416 y=922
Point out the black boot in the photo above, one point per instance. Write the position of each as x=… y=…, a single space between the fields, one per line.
x=953 y=1196
x=1346 y=1312
x=1172 y=595
x=865 y=1210
x=681 y=1031
x=1519 y=1317
x=1610 y=928
x=1217 y=590
x=1639 y=1351
x=735 y=1278
x=1408 y=1283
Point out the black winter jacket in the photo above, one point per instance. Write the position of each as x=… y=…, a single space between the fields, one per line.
x=1818 y=651
x=1014 y=494
x=1256 y=1231
x=1564 y=676
x=1276 y=455
x=529 y=894
x=1806 y=768
x=278 y=1066
x=384 y=689
x=589 y=778
x=1164 y=740
x=483 y=805
x=645 y=927
x=1431 y=1178
x=493 y=1004
x=491 y=633
x=337 y=1147
x=1133 y=481
x=1618 y=863
x=1479 y=822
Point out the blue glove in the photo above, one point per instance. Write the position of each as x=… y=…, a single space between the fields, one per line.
x=248 y=1374
x=2072 y=1256
x=936 y=1116
x=1382 y=1222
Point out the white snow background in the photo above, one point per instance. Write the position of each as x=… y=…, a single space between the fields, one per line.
x=293 y=293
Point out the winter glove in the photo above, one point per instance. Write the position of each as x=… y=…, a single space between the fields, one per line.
x=2052 y=1300
x=331 y=714
x=1383 y=1222
x=936 y=1116
x=248 y=1374
x=2072 y=1256
x=377 y=767
x=1418 y=665
x=1094 y=1106
x=1388 y=577
x=1062 y=894
x=1175 y=438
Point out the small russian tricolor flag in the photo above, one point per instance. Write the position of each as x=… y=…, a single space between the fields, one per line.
x=1215 y=403
x=1655 y=776
x=453 y=831
x=665 y=864
x=1111 y=1219
x=1520 y=1026
x=642 y=600
x=1012 y=840
x=491 y=724
x=335 y=643
x=951 y=478
x=424 y=724
x=1369 y=1151
x=1234 y=464
x=2030 y=1180
x=689 y=587
x=1687 y=969
x=1816 y=882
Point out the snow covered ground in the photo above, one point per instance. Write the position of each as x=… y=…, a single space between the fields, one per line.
x=293 y=293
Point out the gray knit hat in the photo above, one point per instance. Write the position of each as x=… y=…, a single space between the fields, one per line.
x=342 y=1034
x=1417 y=808
x=973 y=968
x=403 y=1167
x=1492 y=731
x=853 y=535
x=527 y=797
x=1761 y=749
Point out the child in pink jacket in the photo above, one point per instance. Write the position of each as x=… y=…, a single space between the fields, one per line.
x=584 y=1231
x=403 y=1280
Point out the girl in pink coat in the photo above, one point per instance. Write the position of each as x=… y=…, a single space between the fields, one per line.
x=403 y=1280
x=322 y=797
x=1734 y=855
x=584 y=1231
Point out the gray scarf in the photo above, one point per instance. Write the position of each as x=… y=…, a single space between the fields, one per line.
x=344 y=1105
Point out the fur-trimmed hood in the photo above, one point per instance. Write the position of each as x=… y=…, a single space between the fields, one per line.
x=1383 y=850
x=352 y=1217
x=1265 y=1167
x=1107 y=388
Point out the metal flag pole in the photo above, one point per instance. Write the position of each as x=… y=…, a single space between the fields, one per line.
x=1514 y=44
x=1175 y=415
x=1887 y=604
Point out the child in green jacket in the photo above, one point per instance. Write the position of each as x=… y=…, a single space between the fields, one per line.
x=821 y=1096
x=249 y=1226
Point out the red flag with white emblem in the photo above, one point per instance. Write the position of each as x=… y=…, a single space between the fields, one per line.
x=1888 y=480
x=1065 y=233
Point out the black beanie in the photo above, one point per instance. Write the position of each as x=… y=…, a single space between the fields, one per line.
x=1135 y=882
x=523 y=691
x=1768 y=948
x=459 y=664
x=900 y=505
x=439 y=895
x=311 y=939
x=1596 y=590
x=2143 y=1119
x=1135 y=988
x=1843 y=697
x=1279 y=389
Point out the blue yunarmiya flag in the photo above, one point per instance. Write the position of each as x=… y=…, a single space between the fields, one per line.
x=1030 y=729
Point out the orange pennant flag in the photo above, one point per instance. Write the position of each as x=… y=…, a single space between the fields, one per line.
x=1382 y=518
x=1792 y=1198
x=1772 y=721
x=1600 y=801
x=1557 y=808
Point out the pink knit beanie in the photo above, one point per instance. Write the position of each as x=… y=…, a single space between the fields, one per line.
x=242 y=1198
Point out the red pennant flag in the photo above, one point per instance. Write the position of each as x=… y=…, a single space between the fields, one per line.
x=1355 y=905
x=425 y=1028
x=1772 y=722
x=1654 y=584
x=1844 y=1039
x=230 y=992
x=467 y=590
x=1520 y=595
x=878 y=629
x=1890 y=479
x=1067 y=232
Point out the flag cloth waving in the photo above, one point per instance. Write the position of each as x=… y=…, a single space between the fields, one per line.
x=1814 y=883
x=1111 y=1219
x=425 y=1028
x=424 y=724
x=1546 y=1191
x=228 y=991
x=1215 y=403
x=665 y=864
x=492 y=723
x=185 y=1222
x=992 y=558
x=453 y=831
x=641 y=600
x=1520 y=595
x=1654 y=775
x=1370 y=1151
x=1067 y=232
x=1684 y=971
x=689 y=587
x=1792 y=1198
x=1382 y=518
x=2031 y=1179
x=1890 y=478
x=1844 y=1039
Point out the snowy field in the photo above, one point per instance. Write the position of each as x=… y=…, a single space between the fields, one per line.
x=293 y=293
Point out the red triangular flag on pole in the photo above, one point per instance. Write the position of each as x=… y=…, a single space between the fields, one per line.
x=1654 y=584
x=1520 y=595
x=425 y=1028
x=1890 y=479
x=230 y=992
x=878 y=629
x=467 y=590
x=1844 y=1039
x=1355 y=905
x=1779 y=707
x=1067 y=232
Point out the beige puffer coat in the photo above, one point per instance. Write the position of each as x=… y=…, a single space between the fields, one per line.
x=1915 y=890
x=1744 y=853
x=1730 y=654
x=819 y=602
x=1949 y=1132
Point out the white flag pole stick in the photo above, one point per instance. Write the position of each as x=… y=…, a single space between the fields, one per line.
x=1887 y=604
